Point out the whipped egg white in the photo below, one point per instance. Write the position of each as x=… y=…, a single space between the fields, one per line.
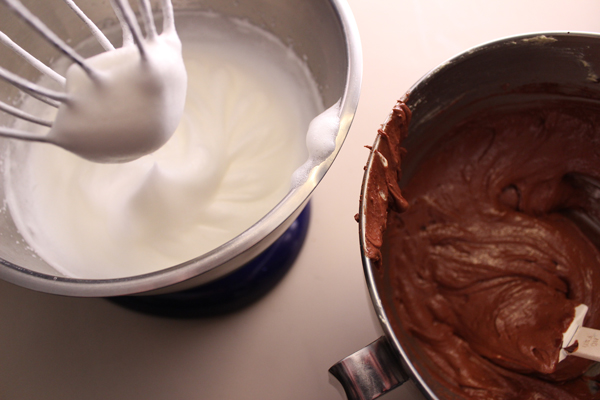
x=249 y=104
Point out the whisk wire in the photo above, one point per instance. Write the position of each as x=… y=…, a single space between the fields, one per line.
x=96 y=32
x=23 y=135
x=127 y=36
x=42 y=98
x=168 y=16
x=40 y=66
x=131 y=24
x=43 y=30
x=23 y=115
x=147 y=18
x=26 y=85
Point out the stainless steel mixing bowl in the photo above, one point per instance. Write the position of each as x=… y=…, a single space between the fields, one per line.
x=521 y=68
x=322 y=32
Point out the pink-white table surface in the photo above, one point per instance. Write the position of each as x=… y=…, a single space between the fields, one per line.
x=54 y=347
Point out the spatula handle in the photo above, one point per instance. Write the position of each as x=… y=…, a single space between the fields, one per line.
x=588 y=344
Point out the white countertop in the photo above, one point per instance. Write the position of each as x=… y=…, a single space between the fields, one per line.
x=281 y=347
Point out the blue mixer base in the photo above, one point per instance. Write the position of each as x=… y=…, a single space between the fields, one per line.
x=233 y=291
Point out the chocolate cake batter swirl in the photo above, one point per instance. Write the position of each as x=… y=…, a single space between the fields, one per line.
x=487 y=265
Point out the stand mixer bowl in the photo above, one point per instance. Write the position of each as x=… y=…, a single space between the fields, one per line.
x=523 y=68
x=322 y=32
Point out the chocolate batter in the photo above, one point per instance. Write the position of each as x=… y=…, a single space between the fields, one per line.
x=487 y=263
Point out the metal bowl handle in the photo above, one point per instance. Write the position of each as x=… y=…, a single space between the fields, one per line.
x=370 y=372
